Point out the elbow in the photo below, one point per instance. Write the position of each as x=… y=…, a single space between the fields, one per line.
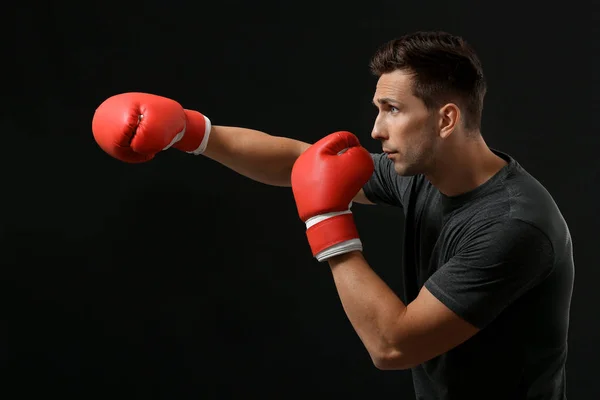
x=393 y=361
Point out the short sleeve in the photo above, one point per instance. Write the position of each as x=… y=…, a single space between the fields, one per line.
x=386 y=187
x=498 y=264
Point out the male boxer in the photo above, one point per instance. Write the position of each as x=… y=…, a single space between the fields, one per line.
x=487 y=256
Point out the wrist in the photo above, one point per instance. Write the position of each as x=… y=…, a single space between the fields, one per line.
x=194 y=138
x=346 y=257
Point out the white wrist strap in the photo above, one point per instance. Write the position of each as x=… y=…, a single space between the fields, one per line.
x=203 y=144
x=340 y=248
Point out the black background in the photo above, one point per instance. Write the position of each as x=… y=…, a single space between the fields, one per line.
x=179 y=278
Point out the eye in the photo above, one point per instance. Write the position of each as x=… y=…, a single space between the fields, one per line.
x=391 y=109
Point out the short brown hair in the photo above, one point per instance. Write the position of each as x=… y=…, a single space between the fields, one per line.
x=445 y=68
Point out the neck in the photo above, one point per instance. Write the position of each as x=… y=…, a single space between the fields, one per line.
x=465 y=164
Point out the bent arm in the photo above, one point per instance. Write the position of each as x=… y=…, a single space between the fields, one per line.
x=501 y=261
x=396 y=335
x=257 y=155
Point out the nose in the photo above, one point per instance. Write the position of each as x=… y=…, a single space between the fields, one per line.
x=378 y=132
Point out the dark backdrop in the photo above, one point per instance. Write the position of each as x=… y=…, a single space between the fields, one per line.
x=180 y=279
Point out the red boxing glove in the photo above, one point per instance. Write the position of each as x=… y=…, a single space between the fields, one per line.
x=133 y=127
x=325 y=179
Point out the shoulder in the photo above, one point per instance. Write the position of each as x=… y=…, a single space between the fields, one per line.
x=529 y=202
x=515 y=197
x=508 y=231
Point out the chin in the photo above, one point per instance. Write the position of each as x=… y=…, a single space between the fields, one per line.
x=408 y=168
x=405 y=170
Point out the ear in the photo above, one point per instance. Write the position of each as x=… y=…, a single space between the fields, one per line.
x=449 y=119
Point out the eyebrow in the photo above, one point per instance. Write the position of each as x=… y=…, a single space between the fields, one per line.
x=386 y=100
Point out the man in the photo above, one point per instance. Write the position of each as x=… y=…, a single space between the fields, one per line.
x=487 y=256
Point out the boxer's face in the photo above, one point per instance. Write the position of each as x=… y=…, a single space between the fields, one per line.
x=405 y=127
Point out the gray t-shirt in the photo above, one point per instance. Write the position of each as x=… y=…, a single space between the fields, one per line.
x=500 y=257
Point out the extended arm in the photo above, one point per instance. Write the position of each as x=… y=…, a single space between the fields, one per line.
x=135 y=127
x=259 y=156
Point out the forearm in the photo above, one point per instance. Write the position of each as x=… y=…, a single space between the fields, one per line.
x=372 y=307
x=257 y=155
